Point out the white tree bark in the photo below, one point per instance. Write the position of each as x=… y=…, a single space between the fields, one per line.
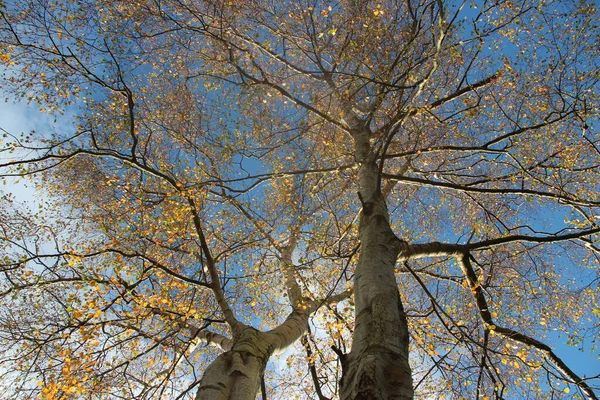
x=236 y=374
x=377 y=366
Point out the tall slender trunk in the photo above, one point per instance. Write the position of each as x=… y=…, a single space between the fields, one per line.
x=377 y=366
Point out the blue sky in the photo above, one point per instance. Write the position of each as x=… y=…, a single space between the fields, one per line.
x=21 y=117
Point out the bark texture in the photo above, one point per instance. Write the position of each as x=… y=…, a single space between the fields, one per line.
x=236 y=374
x=377 y=366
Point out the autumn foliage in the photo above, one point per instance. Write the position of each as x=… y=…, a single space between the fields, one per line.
x=286 y=198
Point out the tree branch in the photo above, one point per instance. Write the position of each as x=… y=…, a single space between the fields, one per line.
x=486 y=316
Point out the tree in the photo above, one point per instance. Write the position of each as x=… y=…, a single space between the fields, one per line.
x=405 y=192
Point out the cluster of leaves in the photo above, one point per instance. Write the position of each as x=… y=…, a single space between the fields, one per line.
x=208 y=170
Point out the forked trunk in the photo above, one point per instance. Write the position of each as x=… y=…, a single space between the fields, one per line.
x=236 y=374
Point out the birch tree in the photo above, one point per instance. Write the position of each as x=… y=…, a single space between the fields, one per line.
x=404 y=194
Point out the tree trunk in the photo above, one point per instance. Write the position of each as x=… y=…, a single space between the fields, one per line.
x=236 y=374
x=377 y=366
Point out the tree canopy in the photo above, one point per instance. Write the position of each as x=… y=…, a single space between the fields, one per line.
x=301 y=199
